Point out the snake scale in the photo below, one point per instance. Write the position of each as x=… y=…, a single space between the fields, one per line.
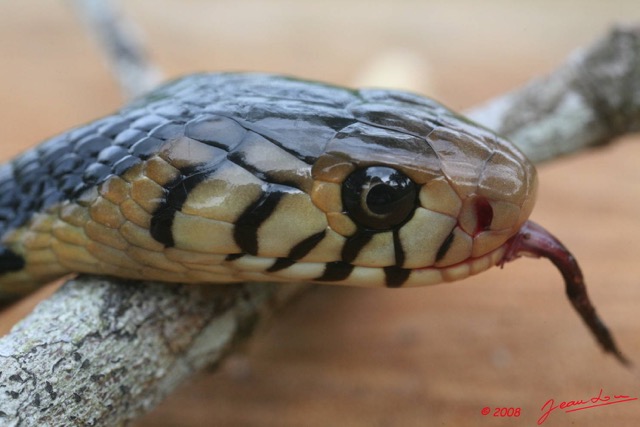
x=222 y=178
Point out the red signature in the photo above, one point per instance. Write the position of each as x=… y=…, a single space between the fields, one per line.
x=579 y=405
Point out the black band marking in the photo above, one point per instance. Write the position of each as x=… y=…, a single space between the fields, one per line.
x=298 y=251
x=396 y=276
x=176 y=194
x=335 y=271
x=445 y=246
x=245 y=232
x=281 y=264
x=398 y=249
x=304 y=247
x=355 y=243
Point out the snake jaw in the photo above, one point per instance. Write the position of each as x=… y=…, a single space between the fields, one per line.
x=534 y=241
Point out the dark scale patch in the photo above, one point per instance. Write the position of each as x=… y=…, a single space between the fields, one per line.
x=113 y=126
x=65 y=164
x=6 y=213
x=335 y=271
x=404 y=119
x=146 y=147
x=27 y=164
x=442 y=251
x=71 y=184
x=129 y=137
x=395 y=277
x=245 y=231
x=217 y=131
x=125 y=163
x=55 y=147
x=111 y=155
x=304 y=137
x=10 y=261
x=148 y=122
x=168 y=131
x=91 y=145
x=95 y=173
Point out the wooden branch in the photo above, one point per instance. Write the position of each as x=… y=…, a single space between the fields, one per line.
x=103 y=351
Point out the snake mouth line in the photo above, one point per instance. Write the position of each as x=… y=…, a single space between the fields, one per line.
x=469 y=267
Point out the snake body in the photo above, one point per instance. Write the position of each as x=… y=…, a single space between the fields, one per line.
x=219 y=178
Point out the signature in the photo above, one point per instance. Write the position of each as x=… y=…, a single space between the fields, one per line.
x=579 y=405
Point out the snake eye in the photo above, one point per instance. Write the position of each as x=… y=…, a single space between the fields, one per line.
x=379 y=197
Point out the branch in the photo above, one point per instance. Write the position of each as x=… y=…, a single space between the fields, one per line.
x=121 y=44
x=104 y=351
x=587 y=102
x=101 y=351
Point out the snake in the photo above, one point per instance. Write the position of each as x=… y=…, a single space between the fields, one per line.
x=220 y=178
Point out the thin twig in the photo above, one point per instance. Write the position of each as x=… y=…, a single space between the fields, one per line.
x=122 y=45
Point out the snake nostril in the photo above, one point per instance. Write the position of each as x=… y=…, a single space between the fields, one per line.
x=484 y=214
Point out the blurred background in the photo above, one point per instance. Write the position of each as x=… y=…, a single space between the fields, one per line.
x=354 y=357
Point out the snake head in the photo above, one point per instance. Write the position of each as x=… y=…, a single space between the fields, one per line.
x=420 y=193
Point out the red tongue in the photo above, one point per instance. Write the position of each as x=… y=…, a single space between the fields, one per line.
x=533 y=240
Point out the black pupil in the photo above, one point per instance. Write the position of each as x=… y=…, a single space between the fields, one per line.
x=379 y=197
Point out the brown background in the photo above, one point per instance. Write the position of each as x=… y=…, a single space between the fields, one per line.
x=356 y=357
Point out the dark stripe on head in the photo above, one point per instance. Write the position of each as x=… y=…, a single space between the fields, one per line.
x=177 y=192
x=354 y=244
x=298 y=251
x=245 y=232
x=395 y=276
x=397 y=246
x=445 y=247
x=335 y=271
x=253 y=155
x=304 y=247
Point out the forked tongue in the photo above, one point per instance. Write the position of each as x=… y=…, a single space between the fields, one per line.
x=534 y=241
